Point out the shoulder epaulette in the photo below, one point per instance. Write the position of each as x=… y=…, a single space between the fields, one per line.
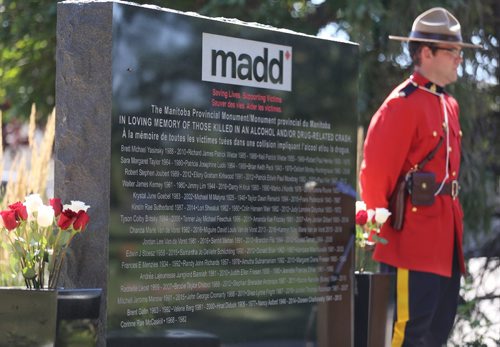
x=434 y=88
x=409 y=88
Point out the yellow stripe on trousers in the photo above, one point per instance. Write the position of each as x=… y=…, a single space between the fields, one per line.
x=403 y=308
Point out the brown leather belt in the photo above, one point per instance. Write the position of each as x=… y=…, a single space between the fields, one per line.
x=450 y=188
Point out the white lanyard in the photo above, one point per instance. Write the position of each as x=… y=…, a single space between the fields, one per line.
x=447 y=131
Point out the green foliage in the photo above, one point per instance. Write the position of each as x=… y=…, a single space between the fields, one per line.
x=77 y=333
x=475 y=324
x=27 y=55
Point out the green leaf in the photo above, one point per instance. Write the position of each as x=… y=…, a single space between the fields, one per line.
x=18 y=248
x=379 y=239
x=29 y=273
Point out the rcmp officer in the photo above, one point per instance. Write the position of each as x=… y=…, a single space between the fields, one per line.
x=419 y=118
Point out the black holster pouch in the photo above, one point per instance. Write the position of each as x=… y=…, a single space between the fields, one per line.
x=421 y=186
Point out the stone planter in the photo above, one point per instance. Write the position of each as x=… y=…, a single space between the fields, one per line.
x=28 y=318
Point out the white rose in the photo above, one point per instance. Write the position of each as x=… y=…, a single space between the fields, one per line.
x=371 y=213
x=45 y=216
x=360 y=206
x=381 y=215
x=32 y=203
x=76 y=206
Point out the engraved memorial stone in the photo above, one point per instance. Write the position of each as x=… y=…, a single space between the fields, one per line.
x=231 y=179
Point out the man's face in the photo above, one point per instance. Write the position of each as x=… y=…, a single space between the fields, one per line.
x=444 y=63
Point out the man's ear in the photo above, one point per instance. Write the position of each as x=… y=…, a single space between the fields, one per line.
x=426 y=53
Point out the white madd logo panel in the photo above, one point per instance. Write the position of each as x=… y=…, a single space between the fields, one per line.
x=246 y=62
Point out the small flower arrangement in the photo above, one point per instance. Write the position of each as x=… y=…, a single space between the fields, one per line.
x=39 y=235
x=368 y=224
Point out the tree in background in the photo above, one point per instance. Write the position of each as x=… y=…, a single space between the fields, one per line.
x=27 y=56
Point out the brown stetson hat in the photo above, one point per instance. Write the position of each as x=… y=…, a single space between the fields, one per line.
x=436 y=25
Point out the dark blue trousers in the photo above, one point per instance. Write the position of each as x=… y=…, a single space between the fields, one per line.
x=426 y=305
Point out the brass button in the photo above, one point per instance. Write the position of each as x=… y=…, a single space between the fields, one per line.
x=434 y=133
x=460 y=133
x=414 y=209
x=454 y=173
x=424 y=185
x=444 y=125
x=450 y=149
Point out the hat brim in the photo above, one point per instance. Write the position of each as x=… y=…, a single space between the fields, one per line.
x=416 y=39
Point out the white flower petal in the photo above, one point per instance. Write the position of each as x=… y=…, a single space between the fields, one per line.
x=45 y=216
x=76 y=206
x=32 y=203
x=371 y=213
x=360 y=206
x=381 y=215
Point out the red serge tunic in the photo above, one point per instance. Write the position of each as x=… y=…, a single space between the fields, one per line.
x=404 y=130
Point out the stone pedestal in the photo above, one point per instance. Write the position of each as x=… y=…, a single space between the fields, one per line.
x=83 y=131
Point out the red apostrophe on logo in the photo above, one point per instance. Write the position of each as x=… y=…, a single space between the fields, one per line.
x=287 y=55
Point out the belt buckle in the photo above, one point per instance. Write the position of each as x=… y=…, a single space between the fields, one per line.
x=455 y=187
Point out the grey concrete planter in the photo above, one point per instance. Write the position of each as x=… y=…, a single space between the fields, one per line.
x=28 y=318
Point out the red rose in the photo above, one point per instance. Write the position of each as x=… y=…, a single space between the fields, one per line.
x=66 y=219
x=20 y=209
x=82 y=218
x=56 y=205
x=361 y=217
x=9 y=219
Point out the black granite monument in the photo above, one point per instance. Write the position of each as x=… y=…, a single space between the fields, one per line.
x=219 y=160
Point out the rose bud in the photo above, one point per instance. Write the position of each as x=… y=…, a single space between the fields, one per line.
x=66 y=219
x=20 y=210
x=9 y=219
x=361 y=217
x=56 y=205
x=82 y=218
x=45 y=216
x=381 y=215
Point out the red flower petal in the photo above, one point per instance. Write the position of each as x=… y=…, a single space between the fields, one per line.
x=9 y=219
x=66 y=219
x=56 y=205
x=82 y=219
x=361 y=217
x=20 y=209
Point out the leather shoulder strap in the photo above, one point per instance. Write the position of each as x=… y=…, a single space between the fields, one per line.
x=430 y=155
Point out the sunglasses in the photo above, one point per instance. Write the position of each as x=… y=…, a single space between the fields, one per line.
x=455 y=52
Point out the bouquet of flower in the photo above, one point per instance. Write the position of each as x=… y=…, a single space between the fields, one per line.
x=368 y=224
x=39 y=236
